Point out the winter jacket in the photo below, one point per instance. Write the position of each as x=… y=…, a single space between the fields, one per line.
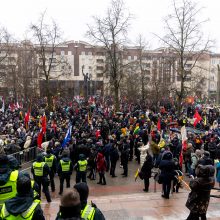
x=114 y=155
x=154 y=147
x=19 y=204
x=205 y=161
x=147 y=167
x=198 y=199
x=167 y=167
x=59 y=168
x=100 y=163
x=194 y=160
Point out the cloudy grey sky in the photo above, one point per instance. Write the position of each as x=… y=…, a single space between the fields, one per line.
x=74 y=15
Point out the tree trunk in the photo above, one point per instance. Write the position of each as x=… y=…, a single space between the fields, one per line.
x=116 y=93
x=48 y=94
x=142 y=88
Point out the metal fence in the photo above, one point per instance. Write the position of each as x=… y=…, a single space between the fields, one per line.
x=26 y=156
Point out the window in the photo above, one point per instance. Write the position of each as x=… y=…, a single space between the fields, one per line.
x=100 y=61
x=99 y=75
x=129 y=57
x=135 y=57
x=100 y=68
x=62 y=53
x=69 y=53
x=90 y=53
x=83 y=53
x=99 y=53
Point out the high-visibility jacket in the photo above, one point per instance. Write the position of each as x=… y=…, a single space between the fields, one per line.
x=34 y=191
x=82 y=165
x=9 y=190
x=49 y=160
x=27 y=215
x=65 y=165
x=38 y=168
x=88 y=212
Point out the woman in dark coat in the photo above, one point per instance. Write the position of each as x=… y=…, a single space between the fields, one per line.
x=167 y=167
x=198 y=199
x=145 y=173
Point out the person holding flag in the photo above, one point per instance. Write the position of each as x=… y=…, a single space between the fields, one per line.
x=68 y=136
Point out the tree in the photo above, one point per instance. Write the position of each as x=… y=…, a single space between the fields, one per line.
x=48 y=38
x=185 y=38
x=111 y=32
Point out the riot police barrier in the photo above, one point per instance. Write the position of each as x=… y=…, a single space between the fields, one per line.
x=26 y=156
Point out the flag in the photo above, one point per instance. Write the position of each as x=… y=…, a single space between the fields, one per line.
x=197 y=118
x=67 y=137
x=40 y=138
x=137 y=129
x=17 y=106
x=158 y=125
x=54 y=126
x=27 y=118
x=3 y=106
x=136 y=174
x=205 y=120
x=184 y=144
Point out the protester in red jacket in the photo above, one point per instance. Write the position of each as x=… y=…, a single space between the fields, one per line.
x=101 y=167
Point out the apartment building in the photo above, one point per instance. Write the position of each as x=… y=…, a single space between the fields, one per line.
x=78 y=67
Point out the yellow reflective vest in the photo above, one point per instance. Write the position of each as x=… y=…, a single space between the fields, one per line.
x=82 y=165
x=38 y=168
x=27 y=215
x=88 y=212
x=65 y=166
x=9 y=190
x=49 y=160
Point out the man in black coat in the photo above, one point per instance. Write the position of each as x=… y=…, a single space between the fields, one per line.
x=146 y=171
x=167 y=166
x=114 y=156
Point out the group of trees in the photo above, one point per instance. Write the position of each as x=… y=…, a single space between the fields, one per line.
x=184 y=39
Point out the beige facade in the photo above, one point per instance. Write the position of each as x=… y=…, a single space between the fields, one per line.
x=74 y=59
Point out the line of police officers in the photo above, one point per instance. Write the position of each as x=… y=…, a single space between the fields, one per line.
x=43 y=167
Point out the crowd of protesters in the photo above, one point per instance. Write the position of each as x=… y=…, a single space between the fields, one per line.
x=92 y=136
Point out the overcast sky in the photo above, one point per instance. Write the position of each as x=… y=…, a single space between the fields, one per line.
x=73 y=16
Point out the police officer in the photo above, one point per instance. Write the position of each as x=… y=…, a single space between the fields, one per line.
x=23 y=206
x=40 y=171
x=81 y=168
x=88 y=211
x=8 y=180
x=64 y=170
x=51 y=161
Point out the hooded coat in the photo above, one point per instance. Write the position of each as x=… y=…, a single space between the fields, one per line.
x=19 y=204
x=198 y=199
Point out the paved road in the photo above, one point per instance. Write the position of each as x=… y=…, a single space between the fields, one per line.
x=123 y=198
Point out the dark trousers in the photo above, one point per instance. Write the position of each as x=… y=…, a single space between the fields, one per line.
x=146 y=184
x=80 y=177
x=112 y=169
x=52 y=183
x=62 y=178
x=125 y=167
x=196 y=216
x=166 y=188
x=92 y=173
x=44 y=183
x=102 y=178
